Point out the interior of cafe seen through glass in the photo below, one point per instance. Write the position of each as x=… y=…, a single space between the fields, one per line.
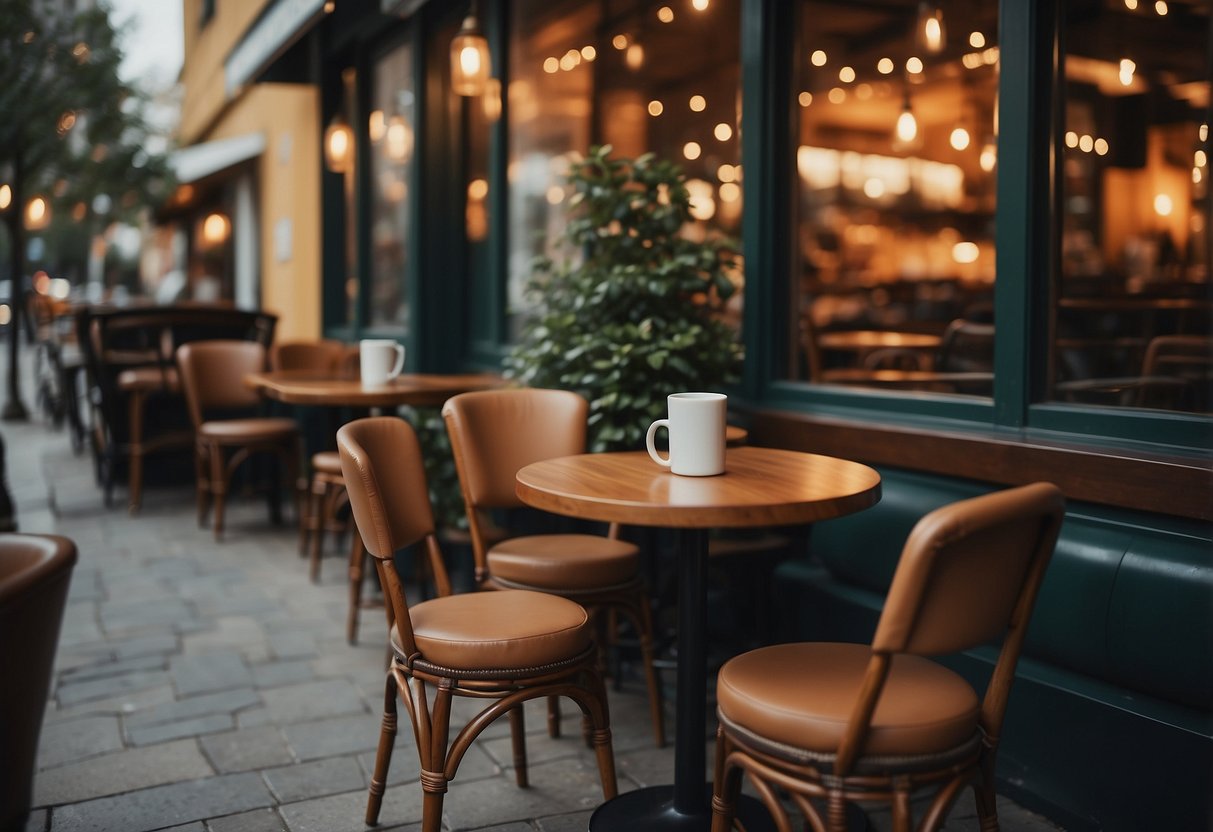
x=895 y=128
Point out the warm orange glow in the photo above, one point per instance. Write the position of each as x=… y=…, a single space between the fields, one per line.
x=215 y=229
x=959 y=138
x=656 y=108
x=6 y=197
x=846 y=74
x=665 y=14
x=37 y=214
x=377 y=125
x=478 y=189
x=884 y=66
x=805 y=98
x=723 y=132
x=698 y=103
x=551 y=65
x=818 y=58
x=1163 y=205
x=691 y=150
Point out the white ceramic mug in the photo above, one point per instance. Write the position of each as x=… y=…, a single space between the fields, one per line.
x=380 y=360
x=696 y=427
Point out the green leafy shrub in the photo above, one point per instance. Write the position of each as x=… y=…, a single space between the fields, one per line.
x=630 y=316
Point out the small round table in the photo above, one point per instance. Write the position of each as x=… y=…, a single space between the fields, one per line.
x=760 y=487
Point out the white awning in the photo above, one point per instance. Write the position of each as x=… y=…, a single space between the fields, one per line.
x=201 y=160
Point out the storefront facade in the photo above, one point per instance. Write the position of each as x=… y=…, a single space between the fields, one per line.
x=1012 y=197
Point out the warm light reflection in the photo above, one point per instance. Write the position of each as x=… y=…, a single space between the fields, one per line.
x=215 y=229
x=697 y=103
x=730 y=192
x=965 y=252
x=665 y=14
x=959 y=138
x=1203 y=132
x=805 y=98
x=620 y=42
x=691 y=150
x=656 y=108
x=589 y=53
x=1127 y=68
x=399 y=139
x=703 y=206
x=873 y=188
x=723 y=132
x=1131 y=5
x=885 y=66
x=977 y=40
x=1200 y=159
x=37 y=214
x=1161 y=8
x=1163 y=205
x=863 y=92
x=818 y=58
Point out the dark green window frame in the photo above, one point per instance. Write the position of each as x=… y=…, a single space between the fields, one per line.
x=1026 y=246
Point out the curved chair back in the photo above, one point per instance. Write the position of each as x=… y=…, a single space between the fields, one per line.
x=212 y=375
x=384 y=476
x=496 y=432
x=34 y=575
x=325 y=354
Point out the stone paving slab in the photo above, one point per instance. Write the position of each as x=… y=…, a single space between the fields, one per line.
x=162 y=806
x=315 y=779
x=120 y=771
x=258 y=820
x=72 y=740
x=247 y=749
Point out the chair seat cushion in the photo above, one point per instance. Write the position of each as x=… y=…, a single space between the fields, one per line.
x=506 y=629
x=248 y=430
x=326 y=462
x=801 y=695
x=564 y=561
x=150 y=378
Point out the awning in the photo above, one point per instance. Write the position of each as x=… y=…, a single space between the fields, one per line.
x=280 y=25
x=199 y=161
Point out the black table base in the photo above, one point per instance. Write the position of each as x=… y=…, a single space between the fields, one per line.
x=653 y=809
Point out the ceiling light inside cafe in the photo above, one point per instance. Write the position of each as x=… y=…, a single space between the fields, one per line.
x=930 y=31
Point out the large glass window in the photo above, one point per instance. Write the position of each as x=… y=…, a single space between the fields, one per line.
x=640 y=76
x=392 y=124
x=1133 y=304
x=896 y=158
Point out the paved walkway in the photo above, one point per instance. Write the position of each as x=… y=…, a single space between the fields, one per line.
x=209 y=687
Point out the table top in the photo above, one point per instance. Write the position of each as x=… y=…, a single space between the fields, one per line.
x=327 y=388
x=870 y=339
x=908 y=379
x=760 y=487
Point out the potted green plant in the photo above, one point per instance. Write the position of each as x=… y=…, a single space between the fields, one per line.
x=631 y=312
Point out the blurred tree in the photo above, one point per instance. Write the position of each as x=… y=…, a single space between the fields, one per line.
x=71 y=132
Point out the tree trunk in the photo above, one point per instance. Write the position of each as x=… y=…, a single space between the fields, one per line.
x=14 y=410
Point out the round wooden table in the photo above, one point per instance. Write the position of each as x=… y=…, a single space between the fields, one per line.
x=760 y=487
x=334 y=390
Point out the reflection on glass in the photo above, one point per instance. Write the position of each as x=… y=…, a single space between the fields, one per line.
x=391 y=174
x=614 y=73
x=896 y=163
x=1134 y=309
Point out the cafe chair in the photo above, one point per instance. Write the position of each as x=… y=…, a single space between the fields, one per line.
x=502 y=648
x=219 y=404
x=1187 y=359
x=493 y=434
x=324 y=490
x=34 y=574
x=852 y=722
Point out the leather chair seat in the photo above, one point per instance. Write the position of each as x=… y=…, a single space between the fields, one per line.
x=150 y=378
x=564 y=562
x=247 y=430
x=506 y=630
x=802 y=695
x=327 y=462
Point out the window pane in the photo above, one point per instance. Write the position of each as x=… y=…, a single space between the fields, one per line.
x=1133 y=305
x=640 y=76
x=392 y=137
x=896 y=158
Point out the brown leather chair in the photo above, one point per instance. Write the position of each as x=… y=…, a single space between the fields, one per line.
x=34 y=575
x=325 y=489
x=849 y=722
x=503 y=647
x=493 y=434
x=212 y=377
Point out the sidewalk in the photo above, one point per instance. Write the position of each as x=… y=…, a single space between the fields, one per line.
x=204 y=687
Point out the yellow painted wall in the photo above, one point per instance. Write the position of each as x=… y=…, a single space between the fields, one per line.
x=288 y=172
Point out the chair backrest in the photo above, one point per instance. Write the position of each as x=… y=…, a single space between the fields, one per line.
x=494 y=433
x=307 y=355
x=212 y=376
x=34 y=574
x=384 y=476
x=966 y=568
x=966 y=347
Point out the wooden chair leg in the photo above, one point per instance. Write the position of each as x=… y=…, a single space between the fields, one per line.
x=518 y=740
x=320 y=500
x=554 y=717
x=202 y=486
x=135 y=476
x=357 y=556
x=433 y=760
x=726 y=784
x=305 y=517
x=653 y=682
x=987 y=800
x=218 y=489
x=383 y=756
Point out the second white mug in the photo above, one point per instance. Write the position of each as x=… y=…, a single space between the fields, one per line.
x=697 y=434
x=380 y=360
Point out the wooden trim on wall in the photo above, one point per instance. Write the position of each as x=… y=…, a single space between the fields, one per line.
x=1170 y=485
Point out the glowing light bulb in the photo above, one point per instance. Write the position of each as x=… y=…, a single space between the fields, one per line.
x=1127 y=68
x=914 y=65
x=988 y=158
x=723 y=132
x=691 y=150
x=884 y=66
x=977 y=40
x=1163 y=205
x=959 y=138
x=697 y=103
x=818 y=58
x=846 y=74
x=907 y=126
x=665 y=14
x=656 y=108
